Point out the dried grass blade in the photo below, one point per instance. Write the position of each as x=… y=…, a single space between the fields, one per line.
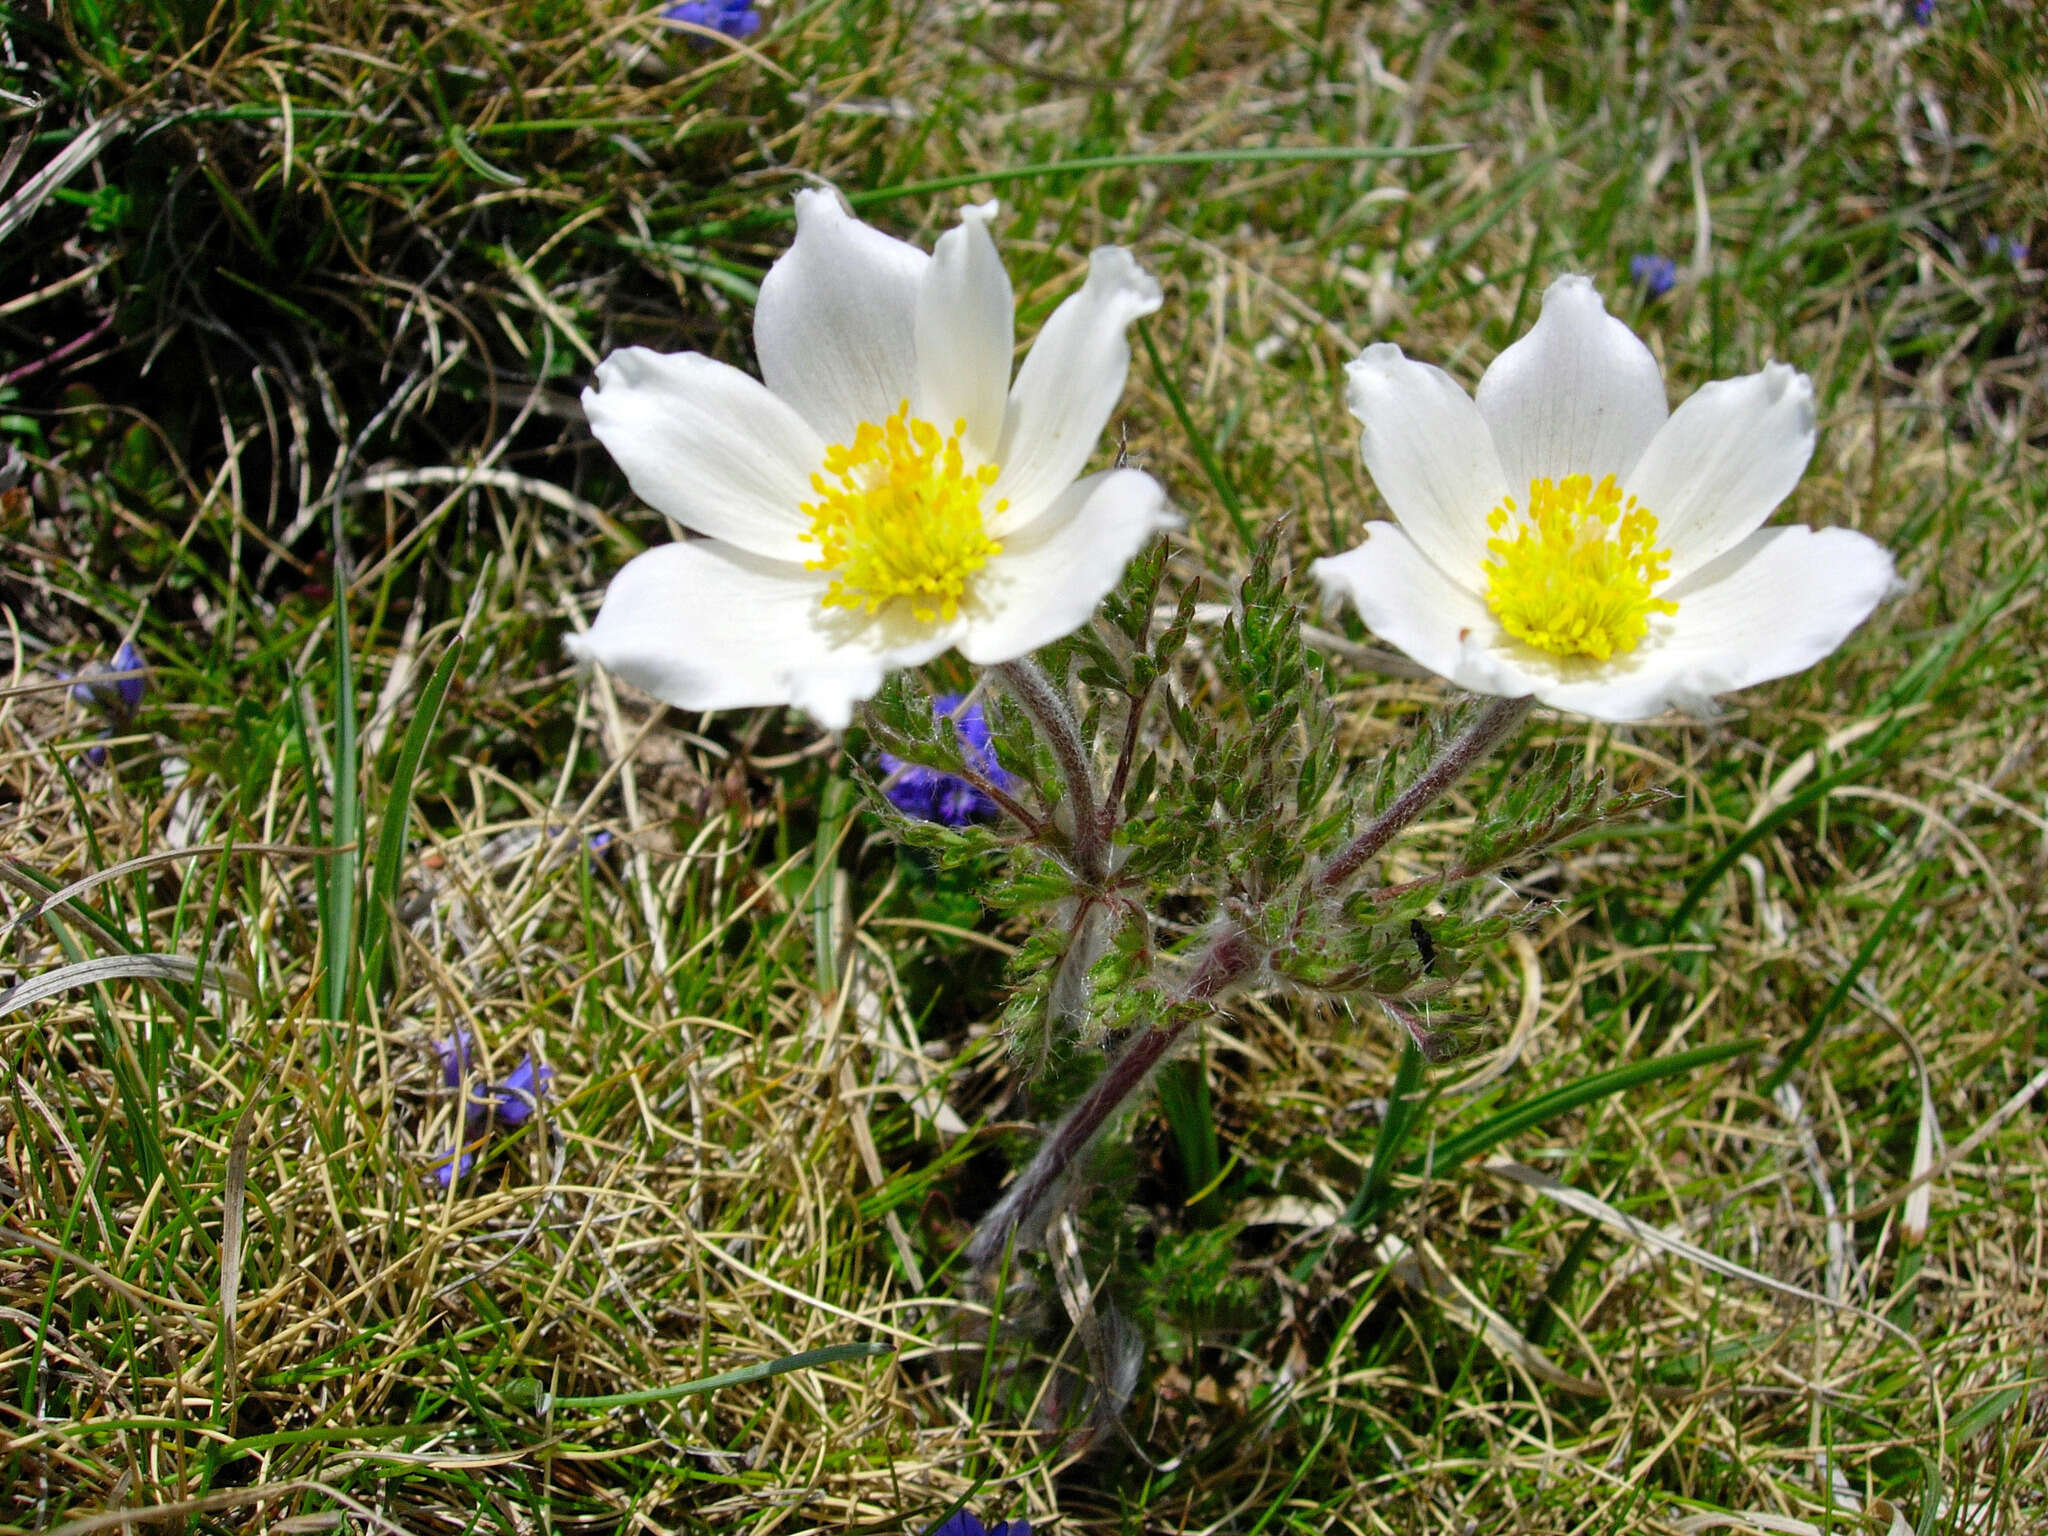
x=84 y=973
x=1640 y=1232
x=1919 y=1204
x=233 y=1230
x=830 y=1354
x=231 y=1498
x=1426 y=1273
x=65 y=164
x=78 y=888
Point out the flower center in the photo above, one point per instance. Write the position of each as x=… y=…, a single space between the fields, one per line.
x=1574 y=573
x=903 y=520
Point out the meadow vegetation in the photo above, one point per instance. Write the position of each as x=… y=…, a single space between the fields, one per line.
x=298 y=299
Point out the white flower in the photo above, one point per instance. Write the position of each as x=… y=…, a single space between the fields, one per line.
x=888 y=493
x=1562 y=536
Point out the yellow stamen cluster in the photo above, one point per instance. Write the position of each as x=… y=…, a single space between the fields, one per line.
x=1576 y=574
x=903 y=520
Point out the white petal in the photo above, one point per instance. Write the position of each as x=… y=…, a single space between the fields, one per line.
x=1724 y=461
x=1050 y=576
x=707 y=445
x=1775 y=604
x=702 y=625
x=836 y=326
x=1431 y=456
x=1579 y=395
x=1407 y=601
x=1069 y=385
x=966 y=321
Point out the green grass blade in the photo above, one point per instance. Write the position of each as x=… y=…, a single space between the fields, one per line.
x=1403 y=1109
x=836 y=806
x=778 y=212
x=1279 y=154
x=1905 y=899
x=1587 y=1090
x=338 y=928
x=382 y=897
x=829 y=1355
x=1183 y=1088
x=1481 y=1138
x=309 y=774
x=1212 y=467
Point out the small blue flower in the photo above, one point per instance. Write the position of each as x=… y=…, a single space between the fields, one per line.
x=964 y=1524
x=1923 y=12
x=511 y=1102
x=594 y=843
x=1656 y=273
x=452 y=1167
x=930 y=794
x=129 y=659
x=516 y=1098
x=121 y=695
x=455 y=1053
x=2007 y=248
x=735 y=18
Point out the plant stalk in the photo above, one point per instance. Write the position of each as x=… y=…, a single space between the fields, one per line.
x=1049 y=711
x=1231 y=954
x=1452 y=764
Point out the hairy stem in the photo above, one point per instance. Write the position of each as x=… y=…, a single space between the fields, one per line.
x=1452 y=764
x=1126 y=755
x=1049 y=711
x=1230 y=955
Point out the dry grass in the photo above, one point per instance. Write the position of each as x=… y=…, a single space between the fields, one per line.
x=231 y=1283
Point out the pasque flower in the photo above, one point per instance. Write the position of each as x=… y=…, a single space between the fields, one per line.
x=1563 y=535
x=886 y=491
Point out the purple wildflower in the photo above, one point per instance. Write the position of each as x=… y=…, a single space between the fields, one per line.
x=516 y=1098
x=964 y=1524
x=129 y=659
x=511 y=1102
x=118 y=696
x=121 y=695
x=735 y=18
x=931 y=794
x=452 y=1167
x=2004 y=246
x=1656 y=273
x=1923 y=12
x=456 y=1053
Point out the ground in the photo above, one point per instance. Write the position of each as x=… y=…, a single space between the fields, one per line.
x=295 y=330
